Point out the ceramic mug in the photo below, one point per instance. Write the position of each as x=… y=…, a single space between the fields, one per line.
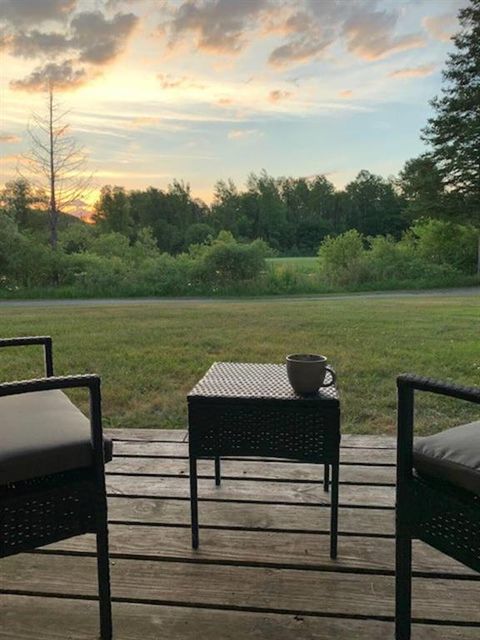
x=307 y=371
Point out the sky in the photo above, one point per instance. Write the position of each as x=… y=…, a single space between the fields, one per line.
x=214 y=89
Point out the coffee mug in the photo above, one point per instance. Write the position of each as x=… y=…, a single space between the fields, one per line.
x=306 y=372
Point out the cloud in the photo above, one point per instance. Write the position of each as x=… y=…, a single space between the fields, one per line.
x=89 y=39
x=34 y=43
x=8 y=138
x=24 y=13
x=308 y=33
x=62 y=76
x=370 y=35
x=168 y=81
x=101 y=40
x=346 y=93
x=91 y=36
x=113 y=4
x=242 y=134
x=277 y=95
x=413 y=72
x=441 y=27
x=220 y=26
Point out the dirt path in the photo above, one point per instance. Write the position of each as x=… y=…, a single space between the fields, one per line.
x=96 y=302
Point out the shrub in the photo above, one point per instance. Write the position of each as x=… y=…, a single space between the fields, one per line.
x=77 y=238
x=446 y=243
x=342 y=259
x=226 y=261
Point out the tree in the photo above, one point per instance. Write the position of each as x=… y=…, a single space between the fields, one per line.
x=373 y=207
x=18 y=200
x=421 y=185
x=55 y=163
x=453 y=133
x=112 y=211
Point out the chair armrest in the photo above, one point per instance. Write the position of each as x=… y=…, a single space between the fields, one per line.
x=419 y=383
x=407 y=384
x=90 y=381
x=46 y=341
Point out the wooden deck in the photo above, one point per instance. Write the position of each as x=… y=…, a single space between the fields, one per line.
x=262 y=570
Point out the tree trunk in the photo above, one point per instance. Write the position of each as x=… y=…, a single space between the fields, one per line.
x=478 y=254
x=53 y=199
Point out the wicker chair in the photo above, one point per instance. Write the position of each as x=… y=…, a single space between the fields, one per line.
x=438 y=490
x=52 y=480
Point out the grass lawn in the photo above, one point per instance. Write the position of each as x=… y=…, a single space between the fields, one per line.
x=149 y=356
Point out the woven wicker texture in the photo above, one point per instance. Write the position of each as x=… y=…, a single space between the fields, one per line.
x=45 y=510
x=448 y=519
x=254 y=381
x=251 y=409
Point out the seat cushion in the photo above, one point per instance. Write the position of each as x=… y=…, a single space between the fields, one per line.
x=43 y=433
x=452 y=455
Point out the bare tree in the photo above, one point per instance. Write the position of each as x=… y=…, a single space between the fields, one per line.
x=55 y=162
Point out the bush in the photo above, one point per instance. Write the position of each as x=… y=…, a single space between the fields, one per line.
x=342 y=259
x=77 y=238
x=166 y=275
x=226 y=261
x=448 y=244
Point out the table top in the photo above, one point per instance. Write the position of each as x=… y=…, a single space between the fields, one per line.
x=252 y=381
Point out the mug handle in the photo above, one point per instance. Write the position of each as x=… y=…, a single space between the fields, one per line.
x=333 y=376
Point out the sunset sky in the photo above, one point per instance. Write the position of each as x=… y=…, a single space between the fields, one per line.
x=214 y=89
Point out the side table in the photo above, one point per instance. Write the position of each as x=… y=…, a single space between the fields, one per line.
x=243 y=409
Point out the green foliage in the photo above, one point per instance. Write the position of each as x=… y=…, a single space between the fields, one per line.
x=77 y=238
x=226 y=261
x=113 y=211
x=198 y=233
x=447 y=243
x=453 y=133
x=432 y=250
x=342 y=258
x=421 y=185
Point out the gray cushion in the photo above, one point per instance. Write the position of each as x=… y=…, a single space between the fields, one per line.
x=452 y=455
x=43 y=433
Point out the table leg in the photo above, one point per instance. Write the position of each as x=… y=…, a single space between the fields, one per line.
x=218 y=475
x=194 y=500
x=334 y=512
x=326 y=477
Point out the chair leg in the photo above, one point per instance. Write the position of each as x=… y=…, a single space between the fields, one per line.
x=334 y=512
x=194 y=501
x=326 y=477
x=403 y=587
x=103 y=569
x=218 y=474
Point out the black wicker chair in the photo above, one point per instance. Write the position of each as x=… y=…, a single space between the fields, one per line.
x=52 y=480
x=438 y=490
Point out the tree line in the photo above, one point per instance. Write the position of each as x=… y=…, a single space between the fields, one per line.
x=292 y=215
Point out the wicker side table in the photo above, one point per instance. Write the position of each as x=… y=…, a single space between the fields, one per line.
x=240 y=409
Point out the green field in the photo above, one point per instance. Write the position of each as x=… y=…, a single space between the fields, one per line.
x=149 y=356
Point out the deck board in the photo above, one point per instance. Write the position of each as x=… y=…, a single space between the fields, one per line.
x=262 y=570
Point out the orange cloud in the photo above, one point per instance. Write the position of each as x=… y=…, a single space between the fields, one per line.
x=8 y=138
x=413 y=72
x=218 y=26
x=168 y=81
x=278 y=95
x=441 y=27
x=62 y=76
x=346 y=93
